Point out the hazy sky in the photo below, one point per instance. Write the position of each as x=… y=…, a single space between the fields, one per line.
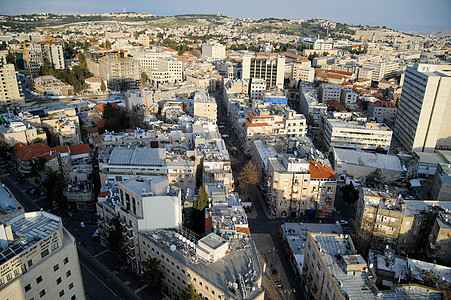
x=406 y=15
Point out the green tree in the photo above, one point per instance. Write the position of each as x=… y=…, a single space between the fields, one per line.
x=376 y=177
x=248 y=177
x=11 y=58
x=144 y=77
x=114 y=239
x=37 y=166
x=55 y=185
x=102 y=86
x=37 y=140
x=190 y=293
x=202 y=199
x=5 y=150
x=381 y=150
x=349 y=193
x=151 y=273
x=115 y=118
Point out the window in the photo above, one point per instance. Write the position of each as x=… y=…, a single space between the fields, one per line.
x=44 y=253
x=24 y=269
x=71 y=285
x=68 y=273
x=55 y=246
x=27 y=287
x=30 y=263
x=58 y=281
x=73 y=297
x=39 y=279
x=66 y=260
x=42 y=293
x=56 y=267
x=61 y=293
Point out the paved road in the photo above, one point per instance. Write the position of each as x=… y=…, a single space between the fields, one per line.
x=261 y=223
x=99 y=282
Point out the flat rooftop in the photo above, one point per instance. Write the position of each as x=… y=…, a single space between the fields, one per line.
x=137 y=156
x=27 y=230
x=8 y=203
x=241 y=259
x=332 y=246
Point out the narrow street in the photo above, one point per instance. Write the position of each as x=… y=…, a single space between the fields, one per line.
x=279 y=278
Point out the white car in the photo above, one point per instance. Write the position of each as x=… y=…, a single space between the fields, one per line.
x=343 y=222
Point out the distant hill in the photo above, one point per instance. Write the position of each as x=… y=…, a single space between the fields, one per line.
x=439 y=33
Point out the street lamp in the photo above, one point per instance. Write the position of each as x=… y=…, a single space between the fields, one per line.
x=289 y=292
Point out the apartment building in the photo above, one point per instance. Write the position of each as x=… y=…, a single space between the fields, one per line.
x=381 y=69
x=329 y=91
x=38 y=52
x=383 y=109
x=146 y=205
x=265 y=66
x=354 y=135
x=204 y=106
x=121 y=73
x=332 y=269
x=298 y=187
x=10 y=90
x=204 y=263
x=384 y=219
x=257 y=88
x=9 y=206
x=123 y=163
x=348 y=98
x=21 y=132
x=438 y=241
x=39 y=259
x=294 y=237
x=262 y=123
x=50 y=86
x=441 y=184
x=421 y=122
x=213 y=51
x=309 y=104
x=303 y=71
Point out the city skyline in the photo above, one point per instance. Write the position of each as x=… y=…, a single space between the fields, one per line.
x=416 y=15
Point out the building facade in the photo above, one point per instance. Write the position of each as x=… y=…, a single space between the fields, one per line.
x=425 y=104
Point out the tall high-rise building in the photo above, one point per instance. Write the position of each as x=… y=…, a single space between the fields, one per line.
x=38 y=259
x=267 y=66
x=10 y=90
x=425 y=104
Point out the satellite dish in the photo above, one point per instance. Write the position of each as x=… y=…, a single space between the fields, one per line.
x=371 y=266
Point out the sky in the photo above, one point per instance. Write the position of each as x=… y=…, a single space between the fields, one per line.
x=404 y=15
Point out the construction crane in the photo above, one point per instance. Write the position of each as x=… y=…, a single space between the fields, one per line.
x=48 y=40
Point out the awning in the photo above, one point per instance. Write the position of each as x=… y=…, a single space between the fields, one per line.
x=322 y=213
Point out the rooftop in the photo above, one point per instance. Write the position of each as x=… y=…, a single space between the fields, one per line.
x=332 y=248
x=137 y=156
x=241 y=261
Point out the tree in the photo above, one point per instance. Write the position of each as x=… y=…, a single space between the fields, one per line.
x=152 y=274
x=202 y=199
x=5 y=150
x=349 y=193
x=248 y=177
x=115 y=239
x=55 y=185
x=102 y=86
x=37 y=140
x=11 y=58
x=376 y=177
x=190 y=293
x=144 y=77
x=381 y=150
x=37 y=165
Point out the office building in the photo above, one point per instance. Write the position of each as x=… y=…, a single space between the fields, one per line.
x=38 y=259
x=425 y=104
x=265 y=66
x=355 y=135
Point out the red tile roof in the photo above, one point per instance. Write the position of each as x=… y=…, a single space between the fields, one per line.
x=386 y=104
x=101 y=107
x=319 y=171
x=80 y=149
x=334 y=104
x=249 y=124
x=28 y=152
